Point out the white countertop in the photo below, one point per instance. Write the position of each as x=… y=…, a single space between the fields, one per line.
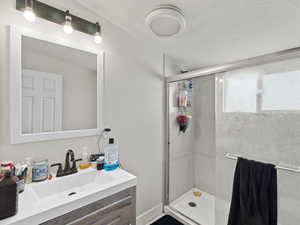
x=32 y=211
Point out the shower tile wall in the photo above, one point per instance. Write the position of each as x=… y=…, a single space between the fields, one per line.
x=204 y=133
x=265 y=135
x=192 y=154
x=181 y=151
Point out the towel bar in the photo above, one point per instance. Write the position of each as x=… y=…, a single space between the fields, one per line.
x=295 y=169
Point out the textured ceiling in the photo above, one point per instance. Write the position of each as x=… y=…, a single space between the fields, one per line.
x=217 y=31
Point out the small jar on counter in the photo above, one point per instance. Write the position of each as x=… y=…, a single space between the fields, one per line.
x=40 y=170
x=85 y=163
x=93 y=159
x=100 y=163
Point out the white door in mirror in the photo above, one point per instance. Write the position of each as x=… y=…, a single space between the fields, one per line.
x=42 y=97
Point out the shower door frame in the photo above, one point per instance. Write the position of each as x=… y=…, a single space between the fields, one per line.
x=255 y=61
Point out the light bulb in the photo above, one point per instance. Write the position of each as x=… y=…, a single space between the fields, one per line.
x=97 y=35
x=97 y=38
x=29 y=14
x=68 y=29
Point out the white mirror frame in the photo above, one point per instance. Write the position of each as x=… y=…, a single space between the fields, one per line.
x=15 y=84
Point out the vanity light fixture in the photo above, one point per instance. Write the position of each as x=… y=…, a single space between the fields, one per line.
x=28 y=11
x=97 y=36
x=36 y=8
x=68 y=29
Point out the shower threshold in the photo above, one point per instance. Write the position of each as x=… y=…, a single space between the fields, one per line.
x=191 y=208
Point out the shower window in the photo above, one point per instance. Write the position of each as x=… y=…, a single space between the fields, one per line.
x=240 y=92
x=281 y=91
x=259 y=92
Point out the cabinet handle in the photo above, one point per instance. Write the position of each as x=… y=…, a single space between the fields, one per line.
x=99 y=211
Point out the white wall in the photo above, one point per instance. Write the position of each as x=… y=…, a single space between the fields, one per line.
x=134 y=100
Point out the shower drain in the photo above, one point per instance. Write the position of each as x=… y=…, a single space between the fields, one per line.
x=192 y=204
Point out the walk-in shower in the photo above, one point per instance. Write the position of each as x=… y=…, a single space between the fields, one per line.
x=192 y=154
x=250 y=108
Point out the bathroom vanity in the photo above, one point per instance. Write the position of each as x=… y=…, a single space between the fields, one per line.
x=88 y=197
x=56 y=92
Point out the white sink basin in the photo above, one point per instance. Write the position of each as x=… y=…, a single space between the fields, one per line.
x=48 y=199
x=71 y=184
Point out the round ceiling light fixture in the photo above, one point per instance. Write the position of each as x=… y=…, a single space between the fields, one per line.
x=166 y=21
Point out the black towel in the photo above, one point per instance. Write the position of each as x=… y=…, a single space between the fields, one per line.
x=254 y=195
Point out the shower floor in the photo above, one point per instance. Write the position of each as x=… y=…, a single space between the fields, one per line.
x=198 y=209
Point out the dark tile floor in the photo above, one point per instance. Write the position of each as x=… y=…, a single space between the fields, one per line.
x=166 y=220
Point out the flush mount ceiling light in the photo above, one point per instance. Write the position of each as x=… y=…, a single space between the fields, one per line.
x=28 y=11
x=166 y=21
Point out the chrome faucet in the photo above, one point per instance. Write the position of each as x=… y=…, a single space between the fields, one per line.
x=70 y=157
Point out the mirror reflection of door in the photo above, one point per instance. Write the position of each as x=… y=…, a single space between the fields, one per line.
x=60 y=87
x=42 y=101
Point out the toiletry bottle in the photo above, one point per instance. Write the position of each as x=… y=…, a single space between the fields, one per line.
x=100 y=163
x=28 y=178
x=85 y=163
x=183 y=98
x=94 y=159
x=111 y=156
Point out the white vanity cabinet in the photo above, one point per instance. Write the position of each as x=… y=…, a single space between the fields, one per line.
x=118 y=209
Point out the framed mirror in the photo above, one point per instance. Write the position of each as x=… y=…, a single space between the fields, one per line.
x=56 y=89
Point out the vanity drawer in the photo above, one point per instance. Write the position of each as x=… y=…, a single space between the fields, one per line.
x=114 y=214
x=118 y=209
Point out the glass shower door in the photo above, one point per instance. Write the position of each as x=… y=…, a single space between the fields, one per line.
x=192 y=152
x=258 y=117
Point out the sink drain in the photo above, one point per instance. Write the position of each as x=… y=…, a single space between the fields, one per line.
x=72 y=193
x=192 y=204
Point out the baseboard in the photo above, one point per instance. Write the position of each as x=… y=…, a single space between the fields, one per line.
x=150 y=215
